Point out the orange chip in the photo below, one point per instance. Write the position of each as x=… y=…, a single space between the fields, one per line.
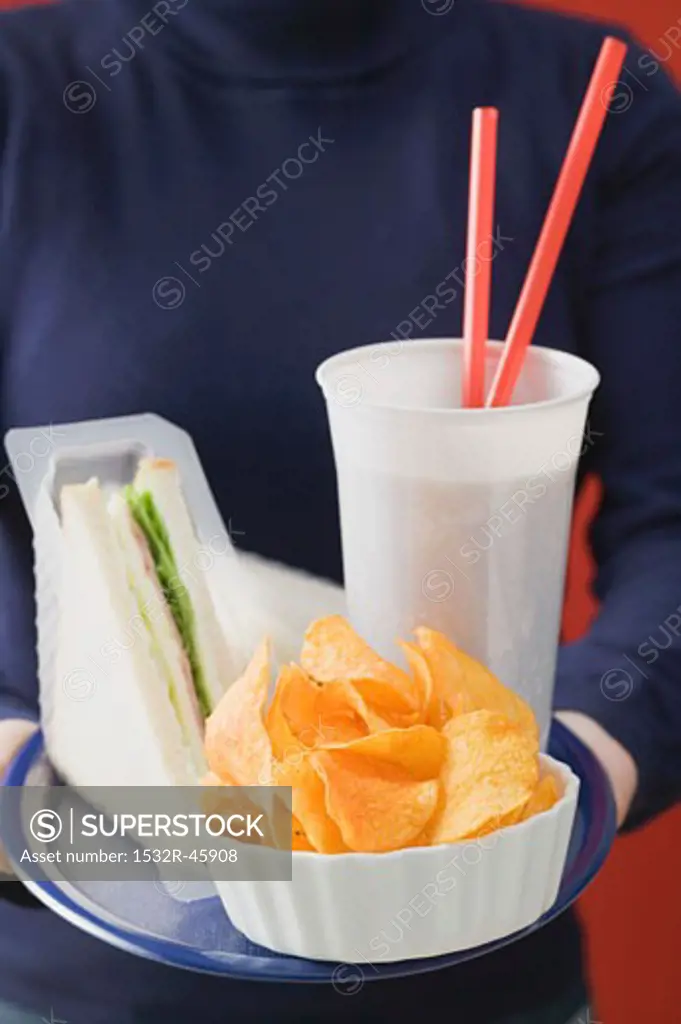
x=211 y=803
x=264 y=801
x=224 y=800
x=490 y=772
x=299 y=840
x=332 y=650
x=211 y=779
x=544 y=797
x=309 y=805
x=376 y=806
x=419 y=751
x=279 y=819
x=237 y=743
x=283 y=741
x=462 y=684
x=423 y=677
x=495 y=823
x=446 y=676
x=350 y=693
x=320 y=713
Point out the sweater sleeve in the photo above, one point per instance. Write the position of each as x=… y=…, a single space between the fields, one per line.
x=18 y=676
x=18 y=660
x=626 y=673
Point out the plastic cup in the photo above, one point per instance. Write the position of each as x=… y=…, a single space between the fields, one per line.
x=458 y=519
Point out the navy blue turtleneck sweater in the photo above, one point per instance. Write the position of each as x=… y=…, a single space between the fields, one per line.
x=201 y=199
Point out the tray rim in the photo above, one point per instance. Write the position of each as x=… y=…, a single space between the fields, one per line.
x=595 y=804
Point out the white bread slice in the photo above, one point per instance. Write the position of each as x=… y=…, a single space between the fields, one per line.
x=112 y=722
x=170 y=657
x=256 y=597
x=161 y=478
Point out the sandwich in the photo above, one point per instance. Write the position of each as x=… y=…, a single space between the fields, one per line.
x=141 y=658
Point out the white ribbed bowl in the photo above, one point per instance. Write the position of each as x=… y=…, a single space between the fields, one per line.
x=414 y=903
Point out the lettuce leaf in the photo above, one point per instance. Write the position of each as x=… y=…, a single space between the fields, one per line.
x=150 y=522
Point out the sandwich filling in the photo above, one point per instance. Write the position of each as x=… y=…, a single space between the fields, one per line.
x=150 y=522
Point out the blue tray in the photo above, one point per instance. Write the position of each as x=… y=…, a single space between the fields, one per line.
x=144 y=919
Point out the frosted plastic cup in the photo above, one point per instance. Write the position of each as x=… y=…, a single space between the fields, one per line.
x=453 y=518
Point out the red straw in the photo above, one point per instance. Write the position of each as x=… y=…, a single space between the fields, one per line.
x=582 y=145
x=483 y=172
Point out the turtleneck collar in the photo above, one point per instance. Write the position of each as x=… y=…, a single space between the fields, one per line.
x=304 y=40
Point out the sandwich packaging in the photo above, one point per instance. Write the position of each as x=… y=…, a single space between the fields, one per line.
x=146 y=611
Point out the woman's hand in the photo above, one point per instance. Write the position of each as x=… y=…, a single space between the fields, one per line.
x=618 y=762
x=14 y=732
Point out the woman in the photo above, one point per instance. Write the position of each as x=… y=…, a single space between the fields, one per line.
x=204 y=198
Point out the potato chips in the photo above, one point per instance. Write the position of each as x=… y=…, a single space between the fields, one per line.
x=237 y=744
x=332 y=650
x=309 y=805
x=317 y=713
x=377 y=805
x=489 y=776
x=463 y=684
x=544 y=797
x=379 y=758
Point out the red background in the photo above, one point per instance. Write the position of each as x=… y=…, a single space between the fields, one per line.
x=633 y=910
